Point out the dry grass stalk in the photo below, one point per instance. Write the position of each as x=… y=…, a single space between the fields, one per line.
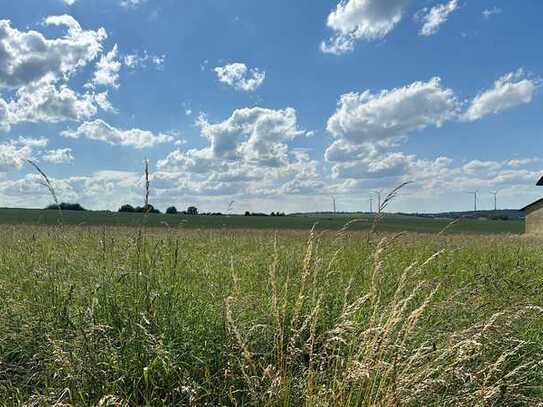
x=46 y=182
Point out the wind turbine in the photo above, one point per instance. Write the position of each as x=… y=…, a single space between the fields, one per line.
x=371 y=204
x=378 y=200
x=495 y=193
x=333 y=203
x=474 y=193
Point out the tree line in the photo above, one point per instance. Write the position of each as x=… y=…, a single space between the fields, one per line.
x=172 y=210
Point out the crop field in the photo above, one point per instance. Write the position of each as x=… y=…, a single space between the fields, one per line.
x=129 y=316
x=390 y=223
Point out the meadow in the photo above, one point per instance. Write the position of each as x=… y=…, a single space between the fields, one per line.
x=361 y=222
x=129 y=316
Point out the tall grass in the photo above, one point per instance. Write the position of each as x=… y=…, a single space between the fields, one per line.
x=96 y=316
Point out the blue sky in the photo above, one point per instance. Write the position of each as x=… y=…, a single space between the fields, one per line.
x=274 y=105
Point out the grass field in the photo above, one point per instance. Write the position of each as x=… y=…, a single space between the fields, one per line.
x=156 y=316
x=391 y=223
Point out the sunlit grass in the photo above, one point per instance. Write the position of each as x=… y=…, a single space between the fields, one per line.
x=122 y=316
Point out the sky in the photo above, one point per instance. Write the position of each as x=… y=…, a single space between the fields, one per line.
x=271 y=105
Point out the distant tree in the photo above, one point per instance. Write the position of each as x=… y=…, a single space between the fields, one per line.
x=172 y=210
x=272 y=214
x=247 y=213
x=67 y=207
x=192 y=210
x=127 y=208
x=147 y=209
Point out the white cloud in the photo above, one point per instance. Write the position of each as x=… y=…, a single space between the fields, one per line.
x=132 y=3
x=433 y=179
x=58 y=156
x=4 y=119
x=515 y=163
x=130 y=60
x=38 y=69
x=238 y=76
x=368 y=129
x=70 y=2
x=355 y=20
x=45 y=102
x=133 y=61
x=102 y=100
x=390 y=114
x=33 y=142
x=384 y=166
x=432 y=19
x=107 y=69
x=489 y=12
x=14 y=153
x=109 y=189
x=13 y=156
x=253 y=134
x=482 y=168
x=509 y=91
x=248 y=155
x=474 y=175
x=365 y=126
x=100 y=130
x=28 y=57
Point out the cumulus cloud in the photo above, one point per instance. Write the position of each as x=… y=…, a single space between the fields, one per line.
x=107 y=69
x=58 y=156
x=485 y=168
x=27 y=57
x=386 y=165
x=238 y=76
x=509 y=91
x=433 y=18
x=515 y=163
x=33 y=142
x=13 y=156
x=432 y=178
x=46 y=102
x=109 y=189
x=390 y=114
x=355 y=20
x=102 y=100
x=4 y=119
x=367 y=128
x=255 y=134
x=247 y=155
x=35 y=71
x=102 y=131
x=15 y=152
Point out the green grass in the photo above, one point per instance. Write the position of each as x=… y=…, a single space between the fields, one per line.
x=391 y=223
x=155 y=316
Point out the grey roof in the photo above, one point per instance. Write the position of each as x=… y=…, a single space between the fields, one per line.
x=533 y=203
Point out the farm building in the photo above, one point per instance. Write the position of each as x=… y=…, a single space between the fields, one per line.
x=534 y=214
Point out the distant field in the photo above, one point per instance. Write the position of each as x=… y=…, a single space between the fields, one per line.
x=391 y=223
